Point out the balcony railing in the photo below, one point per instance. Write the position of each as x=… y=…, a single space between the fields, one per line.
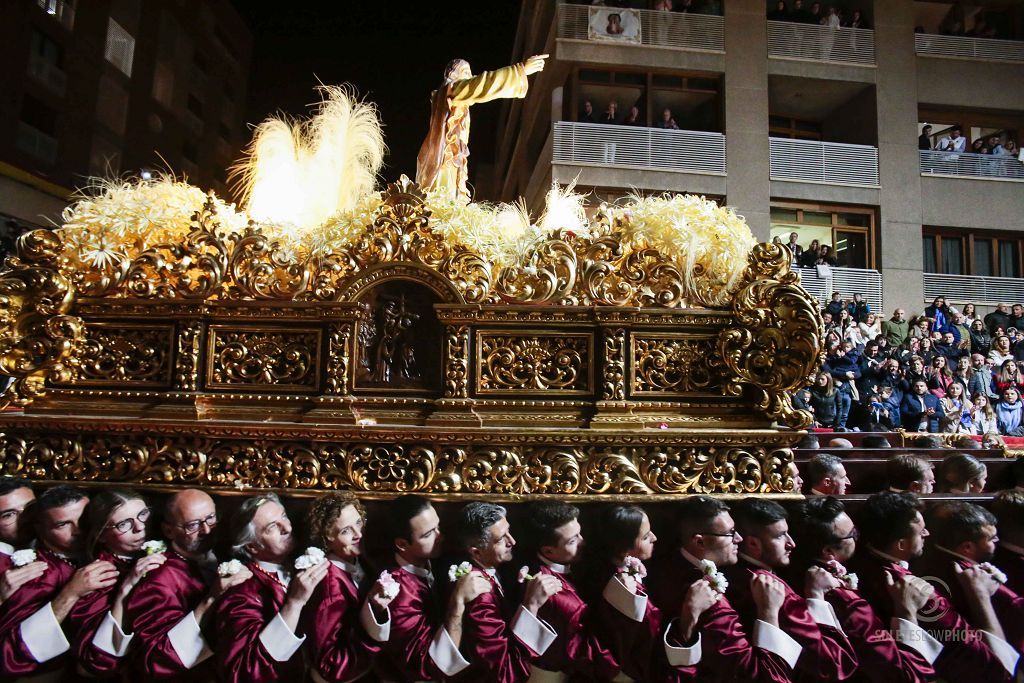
x=846 y=281
x=598 y=144
x=976 y=289
x=966 y=47
x=49 y=74
x=831 y=163
x=969 y=165
x=36 y=142
x=661 y=29
x=789 y=40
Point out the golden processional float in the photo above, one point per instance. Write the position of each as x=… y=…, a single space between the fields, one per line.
x=333 y=336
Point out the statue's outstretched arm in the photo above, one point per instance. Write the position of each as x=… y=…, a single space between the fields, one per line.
x=509 y=81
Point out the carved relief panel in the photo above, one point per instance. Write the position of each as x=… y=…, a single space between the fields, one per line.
x=670 y=364
x=124 y=354
x=273 y=359
x=534 y=362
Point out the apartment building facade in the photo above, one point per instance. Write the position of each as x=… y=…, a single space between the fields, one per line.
x=801 y=127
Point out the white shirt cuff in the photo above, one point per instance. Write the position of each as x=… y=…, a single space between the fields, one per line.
x=43 y=636
x=681 y=656
x=1004 y=652
x=533 y=632
x=823 y=613
x=104 y=637
x=379 y=632
x=917 y=638
x=774 y=639
x=619 y=597
x=446 y=656
x=187 y=641
x=279 y=640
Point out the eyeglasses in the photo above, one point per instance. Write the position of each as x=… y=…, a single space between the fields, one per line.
x=209 y=521
x=126 y=525
x=727 y=534
x=854 y=535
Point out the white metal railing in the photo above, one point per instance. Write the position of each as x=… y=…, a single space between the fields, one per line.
x=832 y=163
x=790 y=40
x=685 y=31
x=49 y=74
x=968 y=48
x=36 y=142
x=598 y=144
x=967 y=164
x=976 y=289
x=846 y=281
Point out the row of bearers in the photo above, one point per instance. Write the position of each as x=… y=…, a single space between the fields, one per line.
x=93 y=599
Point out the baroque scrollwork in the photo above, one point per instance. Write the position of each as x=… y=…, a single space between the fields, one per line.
x=37 y=336
x=533 y=362
x=124 y=354
x=665 y=364
x=776 y=341
x=270 y=359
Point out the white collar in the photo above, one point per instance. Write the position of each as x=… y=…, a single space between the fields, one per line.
x=1016 y=549
x=884 y=556
x=278 y=570
x=954 y=554
x=353 y=570
x=756 y=563
x=423 y=573
x=554 y=566
x=6 y=548
x=493 y=573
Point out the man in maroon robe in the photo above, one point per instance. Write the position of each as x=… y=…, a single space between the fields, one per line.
x=765 y=548
x=167 y=609
x=708 y=534
x=15 y=495
x=31 y=637
x=963 y=535
x=257 y=619
x=419 y=647
x=498 y=644
x=1008 y=507
x=826 y=537
x=893 y=532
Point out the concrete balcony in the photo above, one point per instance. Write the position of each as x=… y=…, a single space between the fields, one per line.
x=846 y=281
x=828 y=163
x=969 y=165
x=658 y=29
x=49 y=74
x=975 y=289
x=965 y=47
x=597 y=144
x=811 y=42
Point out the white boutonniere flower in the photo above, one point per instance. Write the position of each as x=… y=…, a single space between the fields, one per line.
x=389 y=585
x=994 y=571
x=632 y=566
x=154 y=547
x=229 y=568
x=525 y=575
x=311 y=558
x=716 y=578
x=839 y=571
x=19 y=558
x=456 y=572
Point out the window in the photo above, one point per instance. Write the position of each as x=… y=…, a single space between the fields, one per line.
x=848 y=230
x=46 y=50
x=785 y=127
x=46 y=61
x=61 y=10
x=963 y=252
x=120 y=49
x=693 y=101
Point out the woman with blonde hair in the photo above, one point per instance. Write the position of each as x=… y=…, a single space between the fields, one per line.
x=983 y=417
x=1000 y=351
x=962 y=473
x=956 y=410
x=871 y=328
x=1009 y=375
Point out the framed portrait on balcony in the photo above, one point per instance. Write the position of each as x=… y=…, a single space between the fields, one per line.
x=614 y=24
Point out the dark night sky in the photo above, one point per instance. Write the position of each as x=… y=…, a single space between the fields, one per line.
x=394 y=53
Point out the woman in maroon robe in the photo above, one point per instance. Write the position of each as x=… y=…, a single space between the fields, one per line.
x=114 y=524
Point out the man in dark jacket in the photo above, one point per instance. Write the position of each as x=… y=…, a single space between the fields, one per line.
x=920 y=409
x=858 y=308
x=999 y=318
x=836 y=306
x=845 y=371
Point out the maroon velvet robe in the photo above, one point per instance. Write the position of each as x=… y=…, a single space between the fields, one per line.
x=964 y=657
x=5 y=562
x=576 y=651
x=727 y=653
x=160 y=600
x=493 y=652
x=341 y=650
x=85 y=618
x=631 y=643
x=1008 y=606
x=242 y=613
x=1011 y=564
x=15 y=658
x=415 y=617
x=827 y=654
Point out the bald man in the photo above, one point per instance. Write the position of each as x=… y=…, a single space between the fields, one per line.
x=168 y=610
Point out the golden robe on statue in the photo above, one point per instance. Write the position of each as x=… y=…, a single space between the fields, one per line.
x=441 y=165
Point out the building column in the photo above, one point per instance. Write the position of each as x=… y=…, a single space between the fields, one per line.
x=746 y=113
x=901 y=256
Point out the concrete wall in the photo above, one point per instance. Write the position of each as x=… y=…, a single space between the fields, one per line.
x=981 y=204
x=969 y=83
x=855 y=122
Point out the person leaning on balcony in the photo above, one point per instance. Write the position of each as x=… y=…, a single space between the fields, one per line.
x=610 y=115
x=588 y=115
x=667 y=121
x=810 y=255
x=780 y=13
x=633 y=118
x=924 y=140
x=953 y=142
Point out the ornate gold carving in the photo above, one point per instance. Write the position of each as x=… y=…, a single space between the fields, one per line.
x=456 y=362
x=776 y=342
x=276 y=360
x=125 y=354
x=36 y=335
x=668 y=364
x=339 y=357
x=614 y=362
x=186 y=367
x=530 y=363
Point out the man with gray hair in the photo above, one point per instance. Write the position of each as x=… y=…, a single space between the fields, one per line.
x=257 y=619
x=496 y=647
x=827 y=475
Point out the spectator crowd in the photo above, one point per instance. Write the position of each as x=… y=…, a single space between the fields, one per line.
x=833 y=16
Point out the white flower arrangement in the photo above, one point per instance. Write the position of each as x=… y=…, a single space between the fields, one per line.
x=311 y=558
x=848 y=579
x=714 y=577
x=994 y=572
x=20 y=558
x=525 y=575
x=154 y=547
x=389 y=585
x=632 y=566
x=456 y=572
x=229 y=568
